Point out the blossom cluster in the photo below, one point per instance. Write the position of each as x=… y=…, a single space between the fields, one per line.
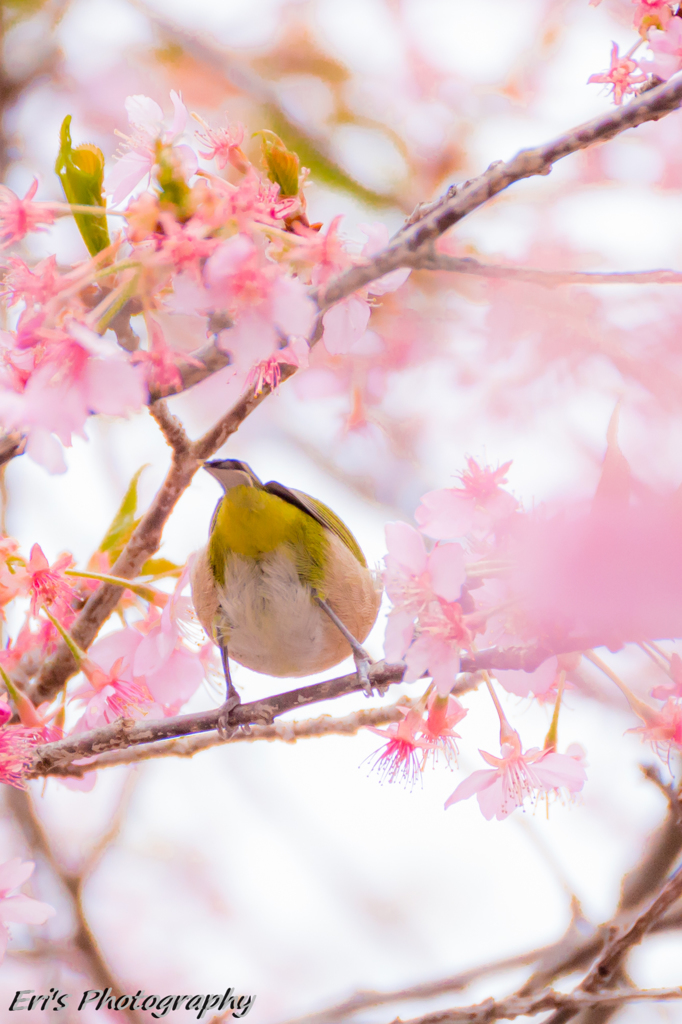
x=659 y=25
x=202 y=259
x=148 y=666
x=481 y=576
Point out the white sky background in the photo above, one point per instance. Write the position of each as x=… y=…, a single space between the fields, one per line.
x=289 y=871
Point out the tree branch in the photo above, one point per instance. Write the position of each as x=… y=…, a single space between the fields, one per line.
x=527 y=1006
x=51 y=757
x=287 y=732
x=612 y=958
x=83 y=940
x=146 y=538
x=431 y=259
x=430 y=222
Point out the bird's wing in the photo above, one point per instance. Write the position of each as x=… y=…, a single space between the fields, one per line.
x=321 y=513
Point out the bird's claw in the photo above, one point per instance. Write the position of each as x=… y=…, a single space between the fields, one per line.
x=362 y=667
x=223 y=726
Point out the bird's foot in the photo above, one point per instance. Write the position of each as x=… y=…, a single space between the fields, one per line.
x=224 y=727
x=362 y=666
x=362 y=659
x=232 y=699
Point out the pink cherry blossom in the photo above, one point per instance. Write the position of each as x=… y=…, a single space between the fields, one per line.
x=454 y=511
x=112 y=694
x=673 y=688
x=16 y=754
x=34 y=286
x=147 y=120
x=20 y=216
x=650 y=13
x=167 y=658
x=436 y=651
x=399 y=759
x=18 y=908
x=236 y=275
x=522 y=683
x=620 y=76
x=516 y=775
x=444 y=712
x=47 y=584
x=5 y=710
x=377 y=239
x=414 y=579
x=70 y=374
x=344 y=324
x=223 y=146
x=159 y=361
x=667 y=49
x=663 y=729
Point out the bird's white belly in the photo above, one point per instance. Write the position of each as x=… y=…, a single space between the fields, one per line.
x=268 y=617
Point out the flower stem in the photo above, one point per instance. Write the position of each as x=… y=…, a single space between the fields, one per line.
x=78 y=654
x=551 y=737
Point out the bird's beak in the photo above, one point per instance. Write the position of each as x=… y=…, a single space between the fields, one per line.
x=230 y=473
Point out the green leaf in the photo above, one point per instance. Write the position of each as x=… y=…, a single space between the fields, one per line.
x=156 y=566
x=283 y=165
x=123 y=523
x=81 y=172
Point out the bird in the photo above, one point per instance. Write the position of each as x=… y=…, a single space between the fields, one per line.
x=282 y=584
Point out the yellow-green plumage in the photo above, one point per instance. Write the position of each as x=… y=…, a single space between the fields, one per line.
x=252 y=523
x=270 y=551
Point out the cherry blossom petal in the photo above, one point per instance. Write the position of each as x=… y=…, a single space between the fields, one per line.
x=127 y=173
x=445 y=513
x=22 y=909
x=14 y=873
x=446 y=569
x=406 y=547
x=523 y=683
x=292 y=310
x=144 y=113
x=560 y=770
x=399 y=633
x=344 y=324
x=473 y=784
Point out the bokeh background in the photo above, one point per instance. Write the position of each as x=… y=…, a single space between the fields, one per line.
x=287 y=870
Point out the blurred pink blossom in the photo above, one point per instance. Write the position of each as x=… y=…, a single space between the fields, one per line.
x=223 y=145
x=413 y=579
x=16 y=754
x=667 y=49
x=146 y=117
x=20 y=216
x=620 y=76
x=18 y=908
x=47 y=584
x=454 y=511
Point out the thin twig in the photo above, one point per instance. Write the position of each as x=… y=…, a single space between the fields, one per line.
x=527 y=1006
x=431 y=259
x=612 y=958
x=414 y=239
x=83 y=940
